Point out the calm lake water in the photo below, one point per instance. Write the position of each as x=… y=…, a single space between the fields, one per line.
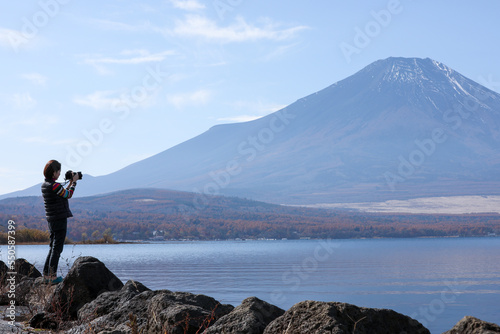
x=436 y=281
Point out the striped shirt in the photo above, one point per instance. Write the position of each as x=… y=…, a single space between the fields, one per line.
x=61 y=191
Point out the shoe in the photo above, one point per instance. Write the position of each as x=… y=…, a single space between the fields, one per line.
x=57 y=280
x=51 y=280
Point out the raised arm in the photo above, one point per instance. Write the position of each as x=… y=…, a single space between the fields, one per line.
x=64 y=192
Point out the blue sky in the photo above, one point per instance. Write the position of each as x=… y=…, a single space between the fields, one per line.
x=99 y=85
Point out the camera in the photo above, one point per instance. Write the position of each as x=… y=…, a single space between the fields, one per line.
x=70 y=174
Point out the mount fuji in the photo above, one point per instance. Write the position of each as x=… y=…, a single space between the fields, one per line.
x=400 y=128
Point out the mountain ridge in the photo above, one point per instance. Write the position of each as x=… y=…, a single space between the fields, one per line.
x=399 y=128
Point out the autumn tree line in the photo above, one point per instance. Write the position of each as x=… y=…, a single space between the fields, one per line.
x=142 y=214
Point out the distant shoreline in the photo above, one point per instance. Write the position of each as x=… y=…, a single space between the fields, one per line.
x=245 y=240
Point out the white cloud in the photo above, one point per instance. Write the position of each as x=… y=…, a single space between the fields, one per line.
x=256 y=109
x=11 y=38
x=139 y=57
x=128 y=57
x=117 y=26
x=113 y=100
x=198 y=97
x=195 y=25
x=5 y=37
x=23 y=101
x=240 y=118
x=240 y=31
x=36 y=140
x=36 y=78
x=20 y=125
x=279 y=51
x=99 y=100
x=189 y=5
x=17 y=40
x=140 y=52
x=8 y=171
x=46 y=141
x=39 y=120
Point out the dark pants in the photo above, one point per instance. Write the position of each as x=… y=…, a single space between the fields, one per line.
x=57 y=236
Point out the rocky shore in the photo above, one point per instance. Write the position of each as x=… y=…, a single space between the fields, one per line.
x=91 y=299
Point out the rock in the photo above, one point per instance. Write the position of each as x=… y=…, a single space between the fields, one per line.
x=87 y=279
x=471 y=325
x=4 y=285
x=132 y=314
x=251 y=317
x=92 y=298
x=314 y=317
x=4 y=299
x=22 y=276
x=24 y=290
x=183 y=312
x=43 y=320
x=118 y=319
x=28 y=287
x=107 y=302
x=3 y=272
x=151 y=312
x=24 y=268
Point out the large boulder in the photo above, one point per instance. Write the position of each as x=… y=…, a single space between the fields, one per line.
x=314 y=317
x=25 y=278
x=26 y=275
x=87 y=279
x=471 y=325
x=109 y=301
x=112 y=310
x=136 y=309
x=250 y=317
x=131 y=316
x=24 y=268
x=20 y=270
x=183 y=312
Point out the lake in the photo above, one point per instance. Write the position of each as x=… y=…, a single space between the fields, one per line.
x=436 y=281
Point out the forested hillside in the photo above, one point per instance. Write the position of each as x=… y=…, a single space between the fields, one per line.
x=142 y=214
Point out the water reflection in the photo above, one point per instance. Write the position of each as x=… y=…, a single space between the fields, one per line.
x=402 y=274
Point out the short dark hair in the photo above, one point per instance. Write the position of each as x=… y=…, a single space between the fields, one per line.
x=50 y=168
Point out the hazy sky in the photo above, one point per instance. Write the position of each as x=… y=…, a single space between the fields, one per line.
x=99 y=85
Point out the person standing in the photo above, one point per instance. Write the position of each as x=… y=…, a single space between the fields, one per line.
x=57 y=212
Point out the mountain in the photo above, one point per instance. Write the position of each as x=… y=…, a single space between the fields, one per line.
x=399 y=128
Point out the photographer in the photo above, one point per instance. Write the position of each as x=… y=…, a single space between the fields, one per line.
x=57 y=211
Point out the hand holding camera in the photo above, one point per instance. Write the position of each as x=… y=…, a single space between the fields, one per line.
x=73 y=176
